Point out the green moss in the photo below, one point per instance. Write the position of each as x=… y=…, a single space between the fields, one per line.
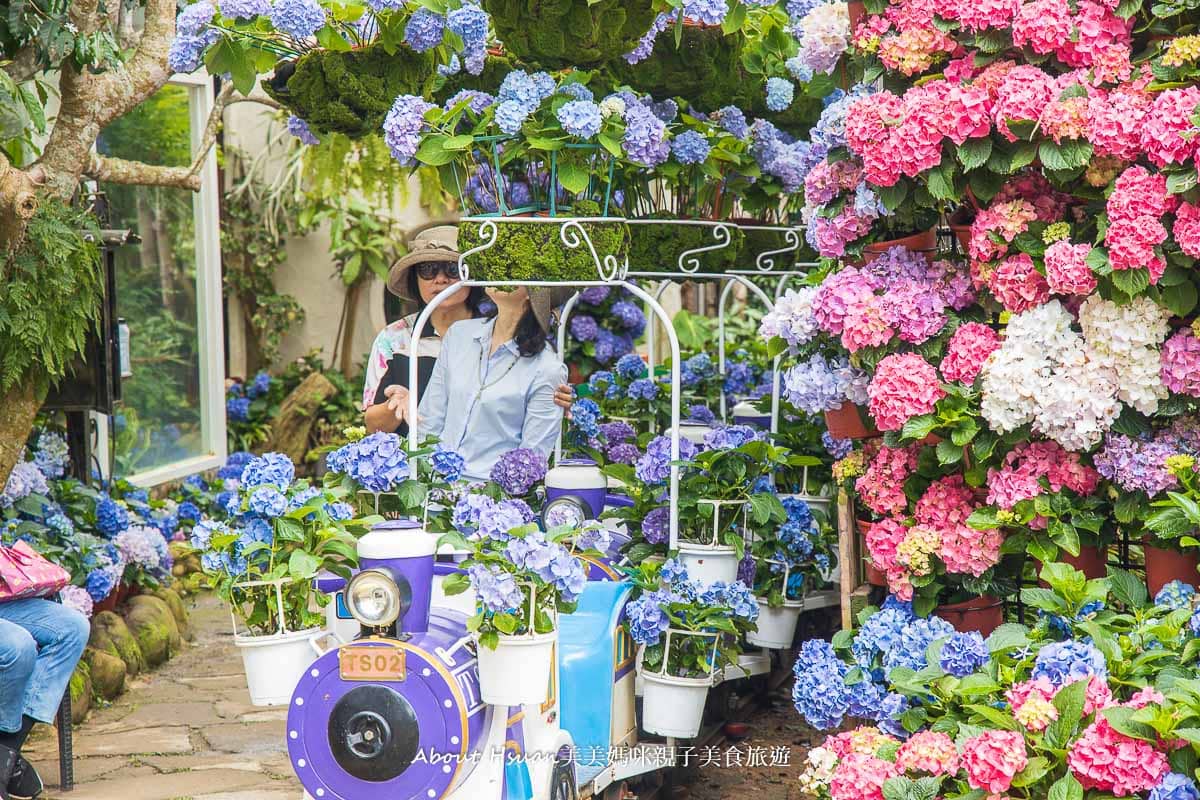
x=556 y=34
x=111 y=635
x=495 y=68
x=656 y=248
x=535 y=251
x=759 y=241
x=350 y=92
x=81 y=692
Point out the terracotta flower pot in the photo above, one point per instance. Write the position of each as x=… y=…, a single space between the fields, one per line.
x=850 y=422
x=1091 y=561
x=1164 y=566
x=924 y=242
x=983 y=614
x=575 y=374
x=873 y=574
x=857 y=10
x=107 y=604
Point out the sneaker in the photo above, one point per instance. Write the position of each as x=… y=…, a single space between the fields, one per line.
x=25 y=783
x=8 y=763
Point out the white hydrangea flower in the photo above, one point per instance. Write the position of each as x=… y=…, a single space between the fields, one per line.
x=791 y=318
x=819 y=767
x=612 y=105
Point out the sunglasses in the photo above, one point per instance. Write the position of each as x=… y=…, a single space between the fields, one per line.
x=428 y=270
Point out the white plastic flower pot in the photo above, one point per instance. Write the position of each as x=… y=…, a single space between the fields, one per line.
x=674 y=706
x=275 y=663
x=518 y=671
x=776 y=626
x=709 y=563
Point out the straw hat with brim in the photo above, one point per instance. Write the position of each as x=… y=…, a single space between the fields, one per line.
x=545 y=300
x=439 y=243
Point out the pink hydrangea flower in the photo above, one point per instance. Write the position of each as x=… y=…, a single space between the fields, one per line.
x=1115 y=121
x=1099 y=695
x=915 y=312
x=1018 y=285
x=865 y=740
x=1032 y=703
x=833 y=300
x=1008 y=219
x=967 y=350
x=1101 y=40
x=967 y=551
x=1043 y=26
x=1103 y=759
x=978 y=16
x=928 y=751
x=1067 y=271
x=904 y=386
x=861 y=777
x=1027 y=463
x=882 y=539
x=992 y=758
x=864 y=324
x=1187 y=229
x=947 y=502
x=1022 y=96
x=1167 y=133
x=915 y=49
x=1181 y=363
x=1131 y=244
x=881 y=486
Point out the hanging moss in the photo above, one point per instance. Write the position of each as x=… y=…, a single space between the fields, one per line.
x=555 y=34
x=707 y=69
x=350 y=92
x=535 y=251
x=495 y=67
x=656 y=248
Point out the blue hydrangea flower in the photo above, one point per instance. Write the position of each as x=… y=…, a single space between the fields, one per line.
x=1066 y=662
x=820 y=693
x=453 y=67
x=645 y=45
x=580 y=118
x=272 y=469
x=234 y=464
x=643 y=389
x=496 y=590
x=630 y=316
x=297 y=18
x=645 y=136
x=24 y=480
x=403 y=125
x=52 y=455
x=518 y=470
x=1175 y=786
x=964 y=653
x=299 y=128
x=838 y=448
x=496 y=520
x=673 y=571
x=655 y=466
x=584 y=328
x=710 y=12
x=448 y=463
x=701 y=414
x=259 y=530
x=585 y=419
x=244 y=9
x=260 y=385
x=599 y=379
x=477 y=101
x=238 y=409
x=100 y=583
x=779 y=93
x=594 y=295
x=376 y=462
x=111 y=517
x=468 y=510
x=631 y=366
x=915 y=639
x=728 y=437
x=470 y=23
x=690 y=147
x=648 y=618
x=656 y=525
x=189 y=511
x=268 y=502
x=1175 y=595
x=425 y=30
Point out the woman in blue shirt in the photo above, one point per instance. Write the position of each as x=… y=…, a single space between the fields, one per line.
x=493 y=386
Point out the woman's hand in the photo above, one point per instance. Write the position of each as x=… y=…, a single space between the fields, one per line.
x=564 y=396
x=397 y=401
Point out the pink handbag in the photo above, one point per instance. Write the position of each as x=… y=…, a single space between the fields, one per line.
x=25 y=573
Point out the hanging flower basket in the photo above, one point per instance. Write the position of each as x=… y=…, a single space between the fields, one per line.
x=684 y=245
x=560 y=249
x=704 y=555
x=570 y=33
x=518 y=671
x=350 y=91
x=673 y=705
x=777 y=625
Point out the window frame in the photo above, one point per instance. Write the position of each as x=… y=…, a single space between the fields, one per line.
x=210 y=308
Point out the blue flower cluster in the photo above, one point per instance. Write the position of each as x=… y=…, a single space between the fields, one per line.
x=237 y=409
x=1175 y=786
x=245 y=9
x=656 y=525
x=1175 y=595
x=377 y=463
x=111 y=516
x=645 y=136
x=690 y=147
x=447 y=463
x=729 y=437
x=642 y=389
x=696 y=369
x=820 y=693
x=584 y=328
x=518 y=470
x=267 y=501
x=645 y=45
x=496 y=590
x=964 y=653
x=235 y=463
x=549 y=561
x=193 y=35
x=297 y=18
x=580 y=117
x=819 y=385
x=741 y=377
x=259 y=386
x=24 y=480
x=470 y=23
x=52 y=455
x=584 y=421
x=299 y=128
x=425 y=30
x=779 y=94
x=631 y=366
x=497 y=519
x=1066 y=662
x=701 y=414
x=733 y=121
x=272 y=469
x=520 y=95
x=403 y=125
x=648 y=616
x=709 y=12
x=838 y=448
x=654 y=467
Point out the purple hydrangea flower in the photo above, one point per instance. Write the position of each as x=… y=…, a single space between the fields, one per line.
x=643 y=389
x=244 y=9
x=656 y=526
x=584 y=327
x=630 y=316
x=645 y=136
x=733 y=121
x=701 y=414
x=617 y=432
x=623 y=453
x=594 y=295
x=729 y=437
x=425 y=30
x=518 y=470
x=690 y=147
x=631 y=366
x=297 y=18
x=24 y=480
x=655 y=466
x=1175 y=786
x=645 y=45
x=403 y=125
x=496 y=590
x=838 y=448
x=477 y=102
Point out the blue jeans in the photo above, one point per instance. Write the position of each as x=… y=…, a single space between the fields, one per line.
x=40 y=644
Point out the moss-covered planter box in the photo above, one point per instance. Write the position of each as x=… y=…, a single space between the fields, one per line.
x=770 y=248
x=350 y=92
x=671 y=245
x=533 y=248
x=557 y=34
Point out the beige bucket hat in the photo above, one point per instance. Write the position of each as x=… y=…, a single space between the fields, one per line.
x=439 y=243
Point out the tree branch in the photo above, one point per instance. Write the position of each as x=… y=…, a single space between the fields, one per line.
x=135 y=173
x=24 y=64
x=146 y=71
x=215 y=119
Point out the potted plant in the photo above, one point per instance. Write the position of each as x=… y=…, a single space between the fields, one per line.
x=788 y=559
x=687 y=631
x=522 y=579
x=281 y=534
x=1174 y=525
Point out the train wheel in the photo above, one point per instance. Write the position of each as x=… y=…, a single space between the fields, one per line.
x=562 y=781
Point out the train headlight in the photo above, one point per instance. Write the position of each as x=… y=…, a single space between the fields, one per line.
x=373 y=598
x=565 y=510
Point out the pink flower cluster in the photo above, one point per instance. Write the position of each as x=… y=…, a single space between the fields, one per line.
x=1135 y=208
x=1187 y=229
x=1168 y=135
x=1021 y=97
x=1067 y=271
x=1103 y=759
x=865 y=740
x=967 y=350
x=928 y=751
x=1007 y=219
x=1181 y=363
x=993 y=758
x=981 y=15
x=894 y=136
x=861 y=777
x=1114 y=121
x=945 y=507
x=1017 y=284
x=826 y=181
x=1032 y=700
x=947 y=502
x=882 y=540
x=832 y=234
x=881 y=487
x=905 y=385
x=1027 y=463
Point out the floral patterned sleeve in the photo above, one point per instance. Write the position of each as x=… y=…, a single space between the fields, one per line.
x=391 y=340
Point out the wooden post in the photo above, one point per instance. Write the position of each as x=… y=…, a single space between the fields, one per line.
x=848 y=558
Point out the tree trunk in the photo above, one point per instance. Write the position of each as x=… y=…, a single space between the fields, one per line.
x=19 y=407
x=350 y=322
x=291 y=429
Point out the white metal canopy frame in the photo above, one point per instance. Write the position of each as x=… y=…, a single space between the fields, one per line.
x=610 y=271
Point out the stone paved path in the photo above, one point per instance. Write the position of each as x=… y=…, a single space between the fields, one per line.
x=186 y=731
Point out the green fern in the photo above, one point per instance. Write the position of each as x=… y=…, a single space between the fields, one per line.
x=50 y=291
